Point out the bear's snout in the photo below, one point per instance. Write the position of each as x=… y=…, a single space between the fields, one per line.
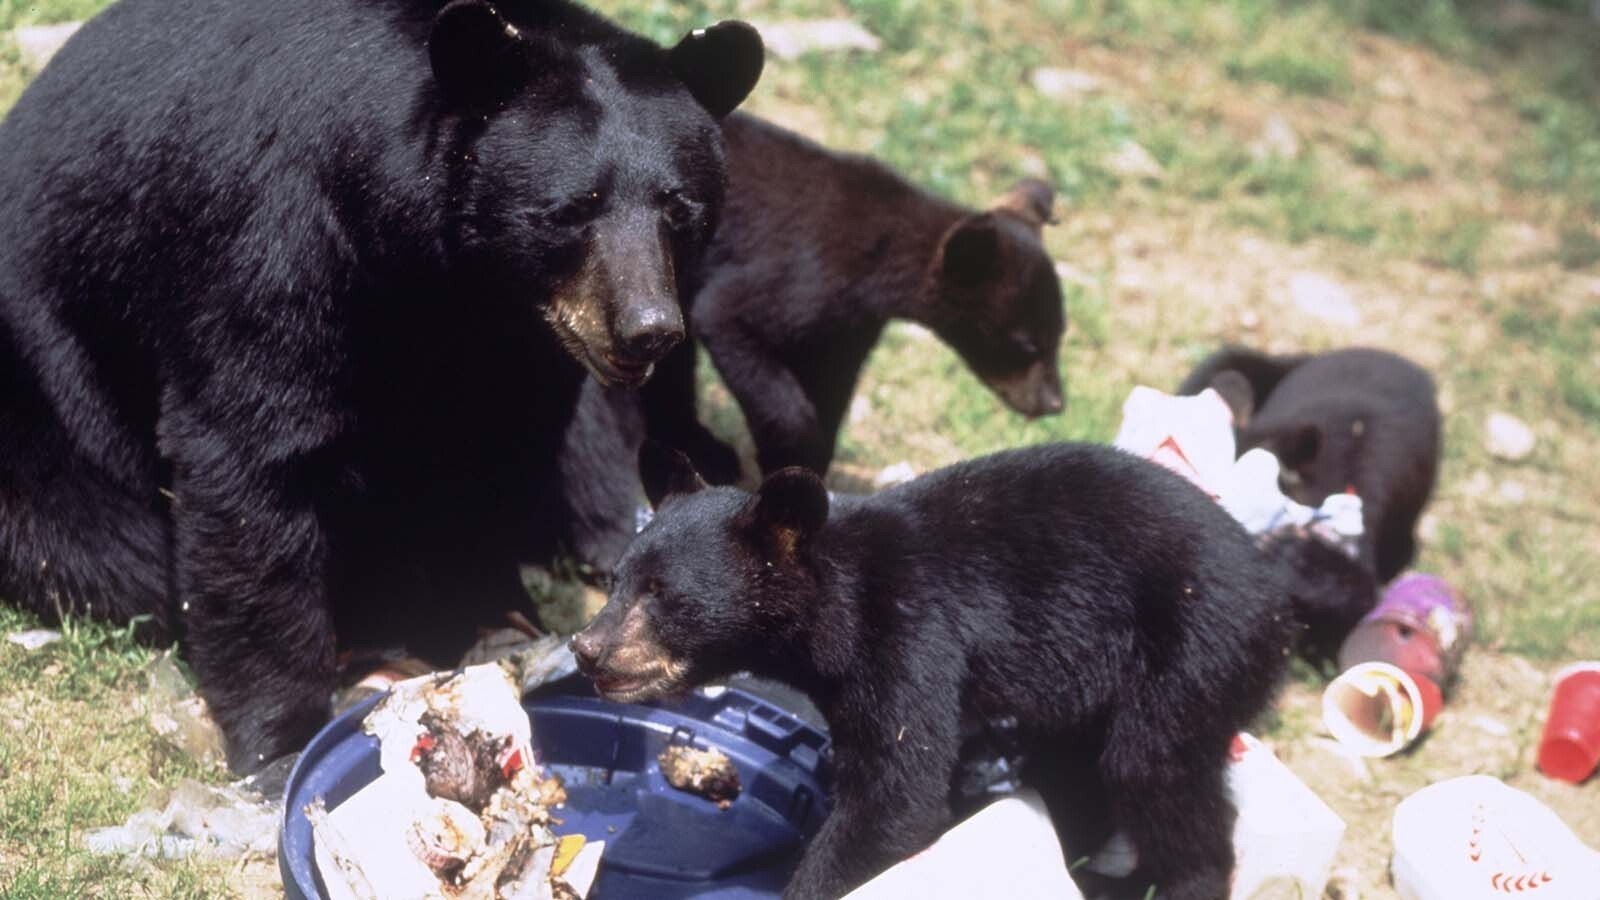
x=586 y=649
x=646 y=331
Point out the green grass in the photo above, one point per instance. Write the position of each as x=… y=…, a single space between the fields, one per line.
x=1301 y=66
x=76 y=754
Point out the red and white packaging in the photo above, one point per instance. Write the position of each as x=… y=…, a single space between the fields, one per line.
x=1475 y=838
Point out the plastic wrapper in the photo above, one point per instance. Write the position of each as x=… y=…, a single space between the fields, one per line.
x=202 y=820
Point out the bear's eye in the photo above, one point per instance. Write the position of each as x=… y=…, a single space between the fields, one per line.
x=1023 y=343
x=580 y=210
x=680 y=211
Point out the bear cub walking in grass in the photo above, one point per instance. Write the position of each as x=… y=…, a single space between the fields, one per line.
x=817 y=251
x=1121 y=617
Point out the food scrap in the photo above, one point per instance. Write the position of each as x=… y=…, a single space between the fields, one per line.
x=708 y=773
x=462 y=809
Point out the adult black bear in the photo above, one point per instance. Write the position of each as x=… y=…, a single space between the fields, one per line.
x=1119 y=616
x=1358 y=418
x=293 y=299
x=817 y=252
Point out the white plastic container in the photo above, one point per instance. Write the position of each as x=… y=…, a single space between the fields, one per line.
x=1007 y=851
x=1476 y=838
x=1285 y=837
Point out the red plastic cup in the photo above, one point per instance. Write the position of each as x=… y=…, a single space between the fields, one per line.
x=1570 y=749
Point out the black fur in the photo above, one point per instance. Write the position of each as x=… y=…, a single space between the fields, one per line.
x=292 y=299
x=1127 y=624
x=1356 y=418
x=817 y=252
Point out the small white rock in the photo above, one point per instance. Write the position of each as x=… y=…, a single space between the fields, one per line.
x=794 y=39
x=1509 y=439
x=860 y=409
x=1064 y=84
x=1323 y=298
x=1277 y=139
x=38 y=43
x=1130 y=160
x=33 y=640
x=1391 y=88
x=1249 y=320
x=1513 y=492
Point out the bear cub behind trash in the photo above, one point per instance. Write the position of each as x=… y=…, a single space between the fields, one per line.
x=1125 y=621
x=1357 y=418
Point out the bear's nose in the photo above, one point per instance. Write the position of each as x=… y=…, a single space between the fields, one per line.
x=646 y=332
x=586 y=650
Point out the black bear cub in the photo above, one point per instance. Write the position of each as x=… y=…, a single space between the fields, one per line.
x=1122 y=618
x=816 y=252
x=1357 y=418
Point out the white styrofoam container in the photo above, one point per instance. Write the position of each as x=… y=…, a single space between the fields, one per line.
x=1285 y=837
x=1006 y=851
x=1474 y=838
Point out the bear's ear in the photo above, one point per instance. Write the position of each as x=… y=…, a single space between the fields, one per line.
x=789 y=507
x=719 y=65
x=477 y=56
x=1032 y=201
x=969 y=253
x=666 y=473
x=1237 y=393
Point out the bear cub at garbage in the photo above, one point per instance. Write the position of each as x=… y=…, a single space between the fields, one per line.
x=1353 y=419
x=1121 y=617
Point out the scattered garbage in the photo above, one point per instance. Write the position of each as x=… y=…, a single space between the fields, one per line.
x=1475 y=837
x=1420 y=624
x=1007 y=849
x=387 y=670
x=1193 y=436
x=33 y=639
x=660 y=841
x=1398 y=663
x=1285 y=838
x=794 y=39
x=708 y=773
x=1251 y=494
x=1379 y=709
x=1570 y=747
x=462 y=807
x=202 y=820
x=179 y=715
